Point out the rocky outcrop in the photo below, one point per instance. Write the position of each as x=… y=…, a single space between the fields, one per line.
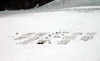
x=21 y=4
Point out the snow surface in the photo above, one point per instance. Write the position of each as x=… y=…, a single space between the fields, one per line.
x=59 y=4
x=69 y=21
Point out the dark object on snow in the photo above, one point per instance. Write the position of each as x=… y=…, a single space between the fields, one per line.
x=21 y=4
x=40 y=43
x=16 y=33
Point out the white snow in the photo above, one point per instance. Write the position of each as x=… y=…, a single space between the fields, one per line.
x=58 y=4
x=70 y=21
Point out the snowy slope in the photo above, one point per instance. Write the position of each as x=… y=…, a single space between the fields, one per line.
x=69 y=21
x=63 y=15
x=59 y=4
x=53 y=6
